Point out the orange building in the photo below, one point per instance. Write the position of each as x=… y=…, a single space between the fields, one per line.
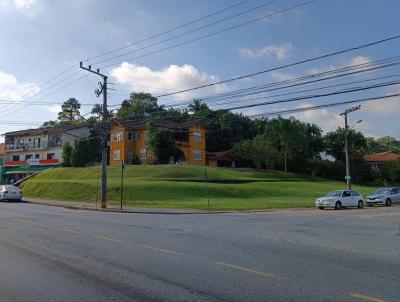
x=129 y=140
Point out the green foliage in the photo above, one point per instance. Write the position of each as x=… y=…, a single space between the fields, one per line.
x=70 y=111
x=81 y=156
x=139 y=105
x=66 y=154
x=381 y=144
x=391 y=171
x=162 y=143
x=335 y=143
x=50 y=124
x=258 y=151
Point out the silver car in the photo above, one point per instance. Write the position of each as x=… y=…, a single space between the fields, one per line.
x=9 y=192
x=384 y=196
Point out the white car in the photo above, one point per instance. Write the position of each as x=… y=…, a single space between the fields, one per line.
x=8 y=192
x=384 y=196
x=340 y=199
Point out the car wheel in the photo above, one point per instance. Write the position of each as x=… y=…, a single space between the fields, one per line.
x=321 y=208
x=338 y=205
x=360 y=204
x=388 y=202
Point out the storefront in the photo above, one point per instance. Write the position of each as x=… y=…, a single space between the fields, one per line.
x=14 y=171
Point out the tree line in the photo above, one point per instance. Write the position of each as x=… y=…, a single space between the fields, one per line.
x=285 y=144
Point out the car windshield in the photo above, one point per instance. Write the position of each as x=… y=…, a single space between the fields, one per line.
x=334 y=193
x=381 y=191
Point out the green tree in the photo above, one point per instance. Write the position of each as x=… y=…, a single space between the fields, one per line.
x=66 y=154
x=81 y=155
x=334 y=142
x=70 y=111
x=259 y=151
x=139 y=105
x=162 y=143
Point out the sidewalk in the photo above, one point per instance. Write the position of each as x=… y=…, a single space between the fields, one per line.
x=110 y=208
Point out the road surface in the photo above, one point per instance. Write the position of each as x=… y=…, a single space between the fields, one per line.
x=56 y=254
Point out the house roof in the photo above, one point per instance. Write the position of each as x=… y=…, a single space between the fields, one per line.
x=1 y=149
x=42 y=130
x=382 y=156
x=158 y=122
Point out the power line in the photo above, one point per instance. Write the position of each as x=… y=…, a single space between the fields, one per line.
x=362 y=46
x=187 y=33
x=214 y=33
x=297 y=82
x=309 y=108
x=168 y=31
x=380 y=85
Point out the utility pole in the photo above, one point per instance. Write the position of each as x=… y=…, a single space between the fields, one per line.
x=346 y=143
x=104 y=113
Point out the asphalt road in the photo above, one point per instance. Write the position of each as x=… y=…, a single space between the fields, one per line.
x=56 y=254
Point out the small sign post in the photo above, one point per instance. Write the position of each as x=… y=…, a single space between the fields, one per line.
x=122 y=181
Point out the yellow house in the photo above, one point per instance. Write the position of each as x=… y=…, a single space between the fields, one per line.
x=128 y=139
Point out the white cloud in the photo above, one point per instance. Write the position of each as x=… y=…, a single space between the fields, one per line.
x=385 y=107
x=279 y=51
x=280 y=76
x=327 y=120
x=168 y=79
x=11 y=89
x=27 y=7
x=54 y=109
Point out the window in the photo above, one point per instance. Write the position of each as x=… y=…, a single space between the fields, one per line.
x=143 y=154
x=354 y=193
x=37 y=156
x=130 y=156
x=15 y=158
x=133 y=136
x=197 y=137
x=117 y=155
x=117 y=137
x=50 y=156
x=28 y=156
x=394 y=191
x=36 y=143
x=197 y=155
x=346 y=194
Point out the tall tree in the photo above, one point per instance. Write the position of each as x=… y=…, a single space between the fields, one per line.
x=70 y=111
x=66 y=154
x=139 y=105
x=162 y=143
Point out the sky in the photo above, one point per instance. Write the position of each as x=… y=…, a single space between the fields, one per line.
x=41 y=39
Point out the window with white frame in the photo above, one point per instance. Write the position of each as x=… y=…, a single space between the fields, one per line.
x=117 y=137
x=197 y=137
x=117 y=154
x=197 y=155
x=143 y=154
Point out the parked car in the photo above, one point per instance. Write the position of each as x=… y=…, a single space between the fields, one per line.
x=340 y=199
x=384 y=196
x=9 y=192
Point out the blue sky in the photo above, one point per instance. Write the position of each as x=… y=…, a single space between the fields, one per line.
x=41 y=38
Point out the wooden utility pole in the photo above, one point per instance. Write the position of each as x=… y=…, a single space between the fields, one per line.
x=104 y=113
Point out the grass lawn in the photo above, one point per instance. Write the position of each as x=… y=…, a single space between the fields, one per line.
x=182 y=186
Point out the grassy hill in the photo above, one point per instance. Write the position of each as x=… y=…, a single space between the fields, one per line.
x=181 y=186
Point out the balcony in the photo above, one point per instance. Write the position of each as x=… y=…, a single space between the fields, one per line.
x=32 y=162
x=32 y=146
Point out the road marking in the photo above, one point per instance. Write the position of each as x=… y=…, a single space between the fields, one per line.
x=106 y=238
x=40 y=225
x=5 y=217
x=366 y=298
x=22 y=220
x=161 y=250
x=69 y=231
x=245 y=269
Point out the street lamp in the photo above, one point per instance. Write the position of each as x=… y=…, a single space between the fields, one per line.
x=346 y=143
